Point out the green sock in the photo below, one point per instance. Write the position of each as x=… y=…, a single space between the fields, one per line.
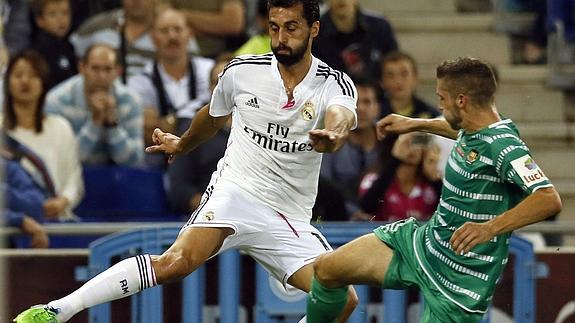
x=325 y=304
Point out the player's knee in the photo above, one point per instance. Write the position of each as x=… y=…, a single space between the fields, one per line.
x=173 y=265
x=323 y=272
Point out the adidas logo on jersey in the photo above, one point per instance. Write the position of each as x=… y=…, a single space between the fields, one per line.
x=253 y=102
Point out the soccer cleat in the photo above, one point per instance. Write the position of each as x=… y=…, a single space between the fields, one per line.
x=37 y=314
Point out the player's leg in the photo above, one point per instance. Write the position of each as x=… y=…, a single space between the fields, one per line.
x=363 y=261
x=191 y=249
x=302 y=279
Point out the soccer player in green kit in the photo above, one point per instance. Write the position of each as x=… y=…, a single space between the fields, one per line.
x=492 y=186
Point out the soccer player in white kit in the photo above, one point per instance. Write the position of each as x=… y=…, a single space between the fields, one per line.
x=287 y=108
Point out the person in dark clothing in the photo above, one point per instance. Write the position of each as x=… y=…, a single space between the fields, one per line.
x=353 y=40
x=342 y=171
x=53 y=18
x=190 y=174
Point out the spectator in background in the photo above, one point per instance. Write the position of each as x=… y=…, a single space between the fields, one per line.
x=189 y=174
x=105 y=115
x=410 y=188
x=398 y=81
x=353 y=40
x=215 y=23
x=261 y=42
x=345 y=168
x=24 y=199
x=48 y=136
x=176 y=84
x=16 y=23
x=53 y=18
x=126 y=30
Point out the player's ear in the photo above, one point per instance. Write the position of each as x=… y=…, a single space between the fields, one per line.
x=461 y=100
x=314 y=29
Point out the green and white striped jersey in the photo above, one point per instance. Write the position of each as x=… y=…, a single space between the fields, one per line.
x=488 y=172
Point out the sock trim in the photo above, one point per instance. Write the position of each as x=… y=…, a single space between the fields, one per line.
x=145 y=271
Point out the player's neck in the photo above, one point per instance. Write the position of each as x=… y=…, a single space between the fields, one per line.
x=480 y=118
x=294 y=74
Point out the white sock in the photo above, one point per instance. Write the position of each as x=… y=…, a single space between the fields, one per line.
x=125 y=278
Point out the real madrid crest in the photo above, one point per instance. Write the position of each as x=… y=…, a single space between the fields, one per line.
x=308 y=111
x=209 y=216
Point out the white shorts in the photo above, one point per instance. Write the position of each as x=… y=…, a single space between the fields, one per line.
x=281 y=245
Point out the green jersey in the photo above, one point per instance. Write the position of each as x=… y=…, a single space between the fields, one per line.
x=488 y=172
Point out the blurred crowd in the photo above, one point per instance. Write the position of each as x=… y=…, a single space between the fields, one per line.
x=85 y=83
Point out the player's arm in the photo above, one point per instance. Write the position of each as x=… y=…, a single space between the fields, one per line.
x=338 y=122
x=538 y=206
x=398 y=124
x=203 y=127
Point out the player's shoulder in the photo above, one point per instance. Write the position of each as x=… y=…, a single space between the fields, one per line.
x=504 y=129
x=250 y=62
x=332 y=77
x=502 y=136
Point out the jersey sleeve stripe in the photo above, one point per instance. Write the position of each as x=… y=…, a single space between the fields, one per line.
x=504 y=153
x=346 y=87
x=255 y=61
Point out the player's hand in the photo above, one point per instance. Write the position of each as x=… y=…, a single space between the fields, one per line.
x=468 y=236
x=393 y=123
x=326 y=141
x=166 y=143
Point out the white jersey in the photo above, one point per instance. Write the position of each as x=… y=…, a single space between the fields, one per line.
x=269 y=152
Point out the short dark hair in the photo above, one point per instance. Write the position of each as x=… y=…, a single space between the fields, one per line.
x=310 y=8
x=469 y=76
x=396 y=56
x=42 y=70
x=262 y=8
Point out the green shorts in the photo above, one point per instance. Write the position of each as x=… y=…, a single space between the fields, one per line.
x=405 y=271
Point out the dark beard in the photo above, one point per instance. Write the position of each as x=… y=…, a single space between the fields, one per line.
x=455 y=123
x=294 y=57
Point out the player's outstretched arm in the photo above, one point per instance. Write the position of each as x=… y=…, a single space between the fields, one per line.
x=338 y=121
x=536 y=207
x=203 y=127
x=398 y=124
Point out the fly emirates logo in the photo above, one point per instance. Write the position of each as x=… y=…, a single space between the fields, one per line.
x=276 y=139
